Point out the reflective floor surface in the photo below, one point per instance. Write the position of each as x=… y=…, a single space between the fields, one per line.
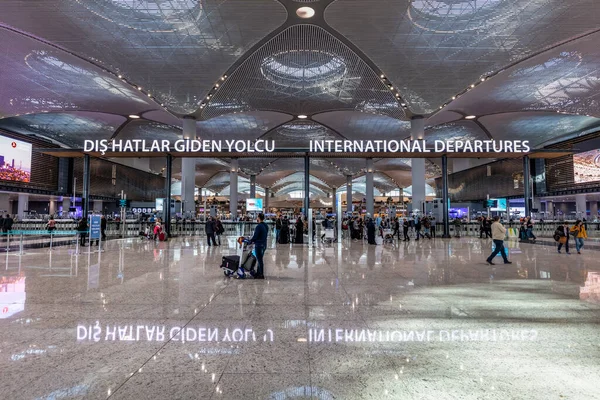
x=424 y=320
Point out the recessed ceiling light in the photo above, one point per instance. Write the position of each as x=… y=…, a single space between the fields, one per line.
x=120 y=76
x=302 y=116
x=139 y=88
x=471 y=117
x=453 y=97
x=133 y=116
x=305 y=12
x=473 y=85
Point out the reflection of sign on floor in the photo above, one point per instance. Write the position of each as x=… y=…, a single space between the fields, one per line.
x=94 y=276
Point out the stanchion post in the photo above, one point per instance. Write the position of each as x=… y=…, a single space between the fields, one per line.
x=50 y=240
x=21 y=245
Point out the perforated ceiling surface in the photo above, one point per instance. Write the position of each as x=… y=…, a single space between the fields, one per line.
x=66 y=129
x=37 y=77
x=304 y=70
x=433 y=49
x=176 y=49
x=249 y=125
x=298 y=133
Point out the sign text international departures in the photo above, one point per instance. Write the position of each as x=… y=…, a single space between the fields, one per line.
x=315 y=146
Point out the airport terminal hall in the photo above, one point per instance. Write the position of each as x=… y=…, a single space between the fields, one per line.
x=300 y=199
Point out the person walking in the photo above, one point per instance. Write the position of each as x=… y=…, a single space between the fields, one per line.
x=529 y=228
x=371 y=231
x=7 y=224
x=82 y=229
x=103 y=228
x=219 y=230
x=418 y=229
x=278 y=226
x=209 y=229
x=299 y=238
x=498 y=235
x=578 y=230
x=405 y=227
x=51 y=224
x=562 y=234
x=259 y=239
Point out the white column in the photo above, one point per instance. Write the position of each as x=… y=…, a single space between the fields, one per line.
x=580 y=205
x=188 y=170
x=4 y=204
x=349 y=193
x=549 y=209
x=334 y=201
x=252 y=186
x=593 y=210
x=417 y=132
x=66 y=204
x=23 y=205
x=370 y=187
x=233 y=192
x=267 y=196
x=97 y=207
x=51 y=207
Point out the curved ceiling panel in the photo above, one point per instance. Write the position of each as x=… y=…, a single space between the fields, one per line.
x=565 y=79
x=149 y=130
x=296 y=186
x=304 y=70
x=539 y=127
x=250 y=125
x=175 y=49
x=37 y=77
x=163 y=117
x=459 y=130
x=298 y=177
x=299 y=133
x=433 y=49
x=392 y=164
x=356 y=125
x=442 y=117
x=67 y=129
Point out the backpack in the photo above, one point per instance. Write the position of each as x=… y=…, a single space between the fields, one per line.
x=558 y=234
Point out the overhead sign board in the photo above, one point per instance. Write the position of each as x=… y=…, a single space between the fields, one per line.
x=315 y=146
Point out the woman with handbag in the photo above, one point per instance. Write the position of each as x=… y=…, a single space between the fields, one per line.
x=561 y=235
x=578 y=230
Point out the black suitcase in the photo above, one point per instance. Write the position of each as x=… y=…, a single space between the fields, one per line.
x=230 y=263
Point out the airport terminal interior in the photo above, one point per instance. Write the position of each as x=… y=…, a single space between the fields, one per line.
x=299 y=199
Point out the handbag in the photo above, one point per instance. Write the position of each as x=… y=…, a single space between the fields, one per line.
x=562 y=240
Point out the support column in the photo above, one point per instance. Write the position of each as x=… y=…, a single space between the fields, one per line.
x=593 y=210
x=97 y=207
x=266 y=202
x=306 y=184
x=417 y=132
x=445 y=196
x=167 y=203
x=349 y=194
x=550 y=208
x=188 y=171
x=252 y=186
x=66 y=204
x=23 y=205
x=4 y=204
x=370 y=188
x=580 y=206
x=85 y=196
x=527 y=186
x=51 y=208
x=334 y=201
x=233 y=189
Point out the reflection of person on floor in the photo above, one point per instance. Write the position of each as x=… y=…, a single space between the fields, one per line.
x=498 y=235
x=260 y=245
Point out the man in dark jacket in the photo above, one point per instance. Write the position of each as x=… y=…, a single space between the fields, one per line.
x=82 y=229
x=563 y=236
x=210 y=230
x=260 y=245
x=8 y=223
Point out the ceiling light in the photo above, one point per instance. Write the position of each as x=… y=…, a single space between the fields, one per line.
x=133 y=116
x=139 y=88
x=403 y=104
x=305 y=12
x=473 y=85
x=120 y=76
x=382 y=76
x=149 y=95
x=302 y=116
x=217 y=85
x=471 y=117
x=482 y=79
x=453 y=97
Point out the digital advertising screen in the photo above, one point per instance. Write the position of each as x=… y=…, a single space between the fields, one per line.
x=254 y=204
x=586 y=166
x=499 y=205
x=15 y=160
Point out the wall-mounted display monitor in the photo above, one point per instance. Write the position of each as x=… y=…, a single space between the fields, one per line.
x=254 y=204
x=586 y=166
x=15 y=160
x=499 y=205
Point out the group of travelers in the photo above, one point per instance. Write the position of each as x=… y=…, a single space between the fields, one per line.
x=423 y=227
x=214 y=229
x=563 y=234
x=284 y=231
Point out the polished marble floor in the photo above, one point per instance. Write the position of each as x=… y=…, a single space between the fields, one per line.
x=423 y=320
